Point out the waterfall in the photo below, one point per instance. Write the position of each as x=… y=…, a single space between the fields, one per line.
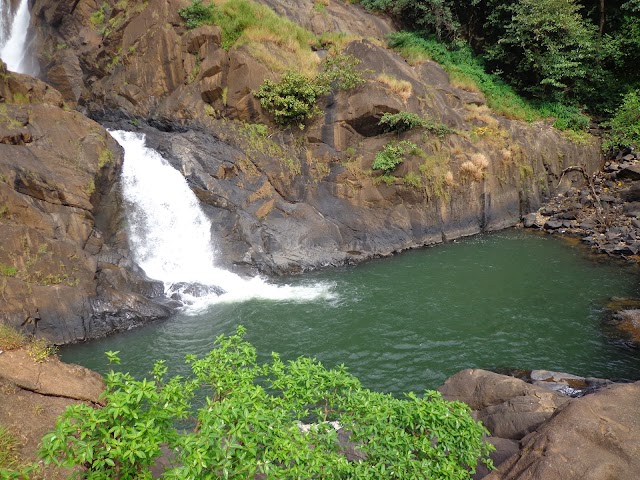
x=14 y=38
x=170 y=236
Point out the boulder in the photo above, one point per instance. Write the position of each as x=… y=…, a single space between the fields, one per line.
x=51 y=377
x=631 y=172
x=507 y=406
x=596 y=437
x=531 y=221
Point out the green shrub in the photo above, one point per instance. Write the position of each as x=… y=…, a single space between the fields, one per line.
x=392 y=155
x=292 y=99
x=197 y=14
x=339 y=72
x=401 y=122
x=7 y=270
x=405 y=121
x=251 y=424
x=624 y=126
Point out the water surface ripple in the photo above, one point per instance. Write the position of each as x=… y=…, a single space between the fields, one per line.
x=505 y=300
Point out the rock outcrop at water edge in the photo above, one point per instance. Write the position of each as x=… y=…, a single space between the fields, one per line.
x=65 y=273
x=542 y=434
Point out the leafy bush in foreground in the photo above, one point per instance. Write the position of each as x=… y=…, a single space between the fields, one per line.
x=251 y=423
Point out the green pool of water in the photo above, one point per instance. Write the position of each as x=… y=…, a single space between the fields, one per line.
x=506 y=300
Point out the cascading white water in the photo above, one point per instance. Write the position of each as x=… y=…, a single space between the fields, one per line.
x=170 y=236
x=14 y=38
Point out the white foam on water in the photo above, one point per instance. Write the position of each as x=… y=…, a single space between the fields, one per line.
x=170 y=236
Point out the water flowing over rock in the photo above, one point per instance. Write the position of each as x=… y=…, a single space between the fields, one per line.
x=14 y=38
x=65 y=273
x=171 y=237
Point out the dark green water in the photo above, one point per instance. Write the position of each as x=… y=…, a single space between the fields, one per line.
x=505 y=300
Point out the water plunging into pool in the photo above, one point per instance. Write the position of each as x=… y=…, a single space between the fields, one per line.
x=505 y=300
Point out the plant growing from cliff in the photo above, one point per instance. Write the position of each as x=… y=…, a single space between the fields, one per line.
x=404 y=121
x=292 y=99
x=251 y=424
x=10 y=338
x=197 y=14
x=392 y=155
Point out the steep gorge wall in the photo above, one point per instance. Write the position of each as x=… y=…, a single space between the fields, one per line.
x=292 y=200
x=62 y=275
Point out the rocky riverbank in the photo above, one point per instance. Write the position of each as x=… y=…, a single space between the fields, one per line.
x=541 y=433
x=604 y=212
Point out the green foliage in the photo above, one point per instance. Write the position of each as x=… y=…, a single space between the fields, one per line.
x=405 y=121
x=401 y=121
x=392 y=155
x=251 y=424
x=545 y=48
x=624 y=126
x=437 y=16
x=462 y=65
x=98 y=17
x=197 y=14
x=292 y=99
x=339 y=72
x=7 y=271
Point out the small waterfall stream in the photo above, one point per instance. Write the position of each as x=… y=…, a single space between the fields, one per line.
x=170 y=236
x=14 y=41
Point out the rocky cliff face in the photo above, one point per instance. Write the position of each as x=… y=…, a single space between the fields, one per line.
x=280 y=200
x=295 y=200
x=61 y=275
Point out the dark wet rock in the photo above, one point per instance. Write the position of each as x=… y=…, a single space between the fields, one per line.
x=570 y=215
x=631 y=172
x=632 y=194
x=194 y=289
x=608 y=198
x=553 y=224
x=530 y=221
x=566 y=383
x=632 y=209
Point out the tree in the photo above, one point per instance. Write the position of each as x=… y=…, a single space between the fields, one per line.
x=546 y=46
x=252 y=423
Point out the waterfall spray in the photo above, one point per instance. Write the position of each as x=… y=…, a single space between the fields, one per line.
x=170 y=236
x=14 y=41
